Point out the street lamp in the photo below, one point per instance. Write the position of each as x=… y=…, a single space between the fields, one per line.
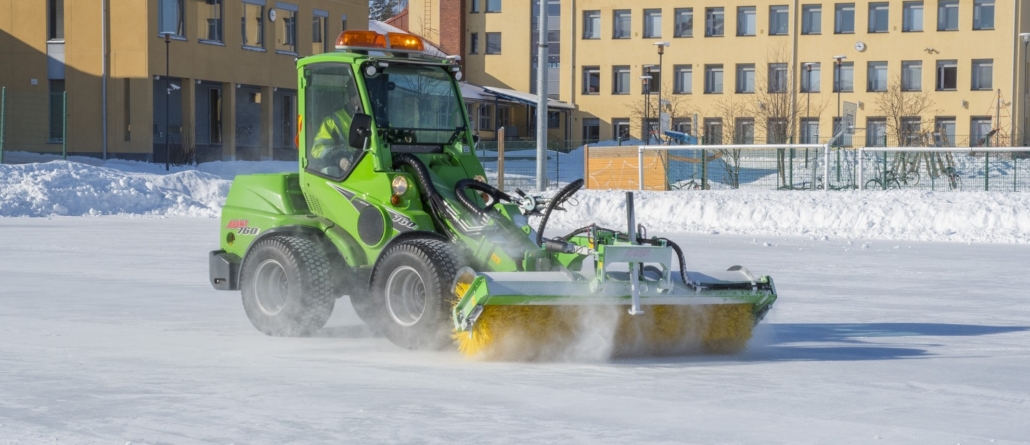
x=661 y=51
x=645 y=81
x=839 y=60
x=1026 y=83
x=168 y=99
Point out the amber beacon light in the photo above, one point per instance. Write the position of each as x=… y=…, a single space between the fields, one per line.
x=393 y=42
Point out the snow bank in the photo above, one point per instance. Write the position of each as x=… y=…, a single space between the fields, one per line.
x=895 y=214
x=136 y=188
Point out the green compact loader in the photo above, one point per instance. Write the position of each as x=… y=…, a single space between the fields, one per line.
x=392 y=208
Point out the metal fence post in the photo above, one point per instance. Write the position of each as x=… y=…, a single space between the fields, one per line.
x=3 y=114
x=64 y=125
x=987 y=172
x=500 y=159
x=826 y=167
x=640 y=167
x=861 y=165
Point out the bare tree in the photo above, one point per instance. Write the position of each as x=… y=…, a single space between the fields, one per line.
x=676 y=106
x=776 y=102
x=738 y=127
x=904 y=112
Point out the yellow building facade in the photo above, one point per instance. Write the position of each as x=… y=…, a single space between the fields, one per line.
x=740 y=70
x=227 y=88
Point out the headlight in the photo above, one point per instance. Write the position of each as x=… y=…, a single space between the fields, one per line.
x=400 y=185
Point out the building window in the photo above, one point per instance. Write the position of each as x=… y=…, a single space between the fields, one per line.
x=474 y=43
x=57 y=111
x=947 y=75
x=809 y=130
x=253 y=25
x=746 y=78
x=209 y=20
x=682 y=125
x=474 y=6
x=713 y=79
x=944 y=133
x=714 y=22
x=620 y=79
x=776 y=131
x=879 y=15
x=684 y=22
x=591 y=130
x=493 y=42
x=286 y=29
x=877 y=76
x=911 y=75
x=744 y=131
x=779 y=18
x=654 y=85
x=844 y=77
x=844 y=18
x=591 y=80
x=713 y=131
x=911 y=127
x=652 y=23
x=493 y=5
x=485 y=117
x=811 y=19
x=947 y=15
x=591 y=24
x=620 y=129
x=876 y=132
x=169 y=18
x=621 y=24
x=319 y=32
x=777 y=77
x=684 y=78
x=983 y=14
x=810 y=77
x=746 y=21
x=983 y=73
x=55 y=20
x=979 y=131
x=912 y=17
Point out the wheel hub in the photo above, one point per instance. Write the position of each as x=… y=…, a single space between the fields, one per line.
x=271 y=287
x=405 y=296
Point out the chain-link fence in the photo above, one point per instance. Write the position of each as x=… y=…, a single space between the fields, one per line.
x=942 y=169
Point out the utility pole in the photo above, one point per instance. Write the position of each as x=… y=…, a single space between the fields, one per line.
x=541 y=101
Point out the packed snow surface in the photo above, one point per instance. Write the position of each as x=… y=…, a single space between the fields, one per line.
x=111 y=334
x=59 y=188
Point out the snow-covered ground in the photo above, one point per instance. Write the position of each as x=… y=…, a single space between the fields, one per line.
x=110 y=332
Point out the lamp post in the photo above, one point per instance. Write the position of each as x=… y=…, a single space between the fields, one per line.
x=1026 y=83
x=168 y=99
x=645 y=81
x=839 y=60
x=661 y=51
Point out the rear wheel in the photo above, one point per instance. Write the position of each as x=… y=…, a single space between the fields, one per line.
x=287 y=286
x=412 y=293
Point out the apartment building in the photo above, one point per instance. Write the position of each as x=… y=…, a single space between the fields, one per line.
x=757 y=71
x=224 y=81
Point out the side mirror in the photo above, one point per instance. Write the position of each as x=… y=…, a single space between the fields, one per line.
x=360 y=130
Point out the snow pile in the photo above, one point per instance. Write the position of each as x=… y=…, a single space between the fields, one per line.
x=120 y=187
x=136 y=188
x=895 y=214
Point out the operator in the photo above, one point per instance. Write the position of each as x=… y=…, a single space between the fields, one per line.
x=331 y=145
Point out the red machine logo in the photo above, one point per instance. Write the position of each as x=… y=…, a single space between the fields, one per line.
x=237 y=224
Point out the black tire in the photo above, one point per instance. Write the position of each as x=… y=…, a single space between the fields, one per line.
x=288 y=286
x=873 y=183
x=412 y=293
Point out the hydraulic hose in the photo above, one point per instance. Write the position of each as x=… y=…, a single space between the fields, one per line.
x=560 y=197
x=491 y=191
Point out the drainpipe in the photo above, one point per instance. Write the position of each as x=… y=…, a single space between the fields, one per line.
x=103 y=72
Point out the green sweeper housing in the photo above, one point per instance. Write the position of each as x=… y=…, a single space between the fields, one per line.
x=391 y=207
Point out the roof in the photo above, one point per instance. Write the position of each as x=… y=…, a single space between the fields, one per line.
x=400 y=20
x=528 y=99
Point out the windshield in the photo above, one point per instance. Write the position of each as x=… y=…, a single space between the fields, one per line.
x=415 y=104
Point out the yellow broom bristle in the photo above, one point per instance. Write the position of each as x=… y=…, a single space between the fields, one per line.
x=603 y=332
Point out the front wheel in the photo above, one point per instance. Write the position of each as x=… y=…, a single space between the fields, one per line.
x=287 y=286
x=412 y=289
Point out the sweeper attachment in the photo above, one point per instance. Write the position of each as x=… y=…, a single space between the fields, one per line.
x=391 y=208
